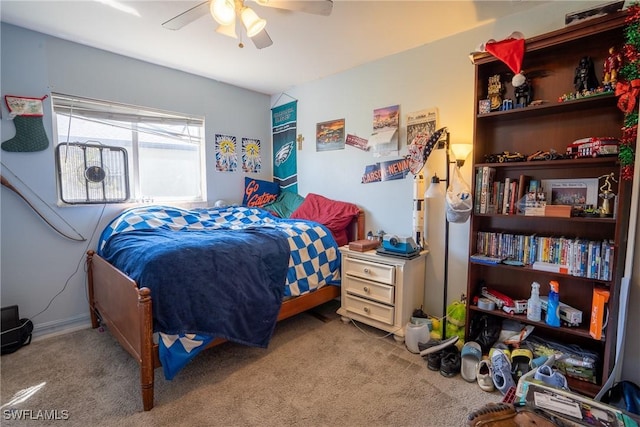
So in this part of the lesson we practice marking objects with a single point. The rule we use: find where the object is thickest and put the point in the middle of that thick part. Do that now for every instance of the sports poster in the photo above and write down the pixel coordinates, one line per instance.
(251, 160)
(284, 127)
(226, 153)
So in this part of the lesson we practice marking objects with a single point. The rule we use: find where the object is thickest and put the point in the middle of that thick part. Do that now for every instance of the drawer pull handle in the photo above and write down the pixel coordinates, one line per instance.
(366, 289)
(366, 270)
(366, 309)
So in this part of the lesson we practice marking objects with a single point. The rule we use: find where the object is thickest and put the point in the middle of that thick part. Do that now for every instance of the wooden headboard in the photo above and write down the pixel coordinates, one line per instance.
(355, 231)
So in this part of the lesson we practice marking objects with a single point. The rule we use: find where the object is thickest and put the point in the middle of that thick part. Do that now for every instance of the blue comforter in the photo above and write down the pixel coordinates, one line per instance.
(225, 283)
(217, 272)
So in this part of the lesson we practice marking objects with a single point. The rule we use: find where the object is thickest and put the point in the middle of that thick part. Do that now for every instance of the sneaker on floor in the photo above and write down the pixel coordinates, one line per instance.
(450, 362)
(520, 362)
(436, 345)
(434, 360)
(551, 377)
(500, 346)
(501, 371)
(483, 376)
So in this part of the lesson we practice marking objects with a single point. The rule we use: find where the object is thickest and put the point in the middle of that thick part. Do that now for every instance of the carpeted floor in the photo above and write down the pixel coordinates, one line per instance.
(317, 371)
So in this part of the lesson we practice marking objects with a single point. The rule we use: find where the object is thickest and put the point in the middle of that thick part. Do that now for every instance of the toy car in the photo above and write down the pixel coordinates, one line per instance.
(593, 147)
(519, 306)
(503, 157)
(503, 302)
(545, 155)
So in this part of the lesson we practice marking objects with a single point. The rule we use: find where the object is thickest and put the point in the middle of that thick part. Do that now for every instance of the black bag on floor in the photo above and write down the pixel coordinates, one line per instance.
(16, 332)
(485, 330)
(624, 395)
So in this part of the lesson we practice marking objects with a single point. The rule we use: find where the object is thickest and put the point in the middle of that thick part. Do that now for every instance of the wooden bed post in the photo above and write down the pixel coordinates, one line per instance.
(146, 356)
(360, 225)
(92, 311)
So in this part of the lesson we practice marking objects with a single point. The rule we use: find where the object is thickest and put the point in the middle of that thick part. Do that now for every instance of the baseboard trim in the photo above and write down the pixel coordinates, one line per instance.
(60, 327)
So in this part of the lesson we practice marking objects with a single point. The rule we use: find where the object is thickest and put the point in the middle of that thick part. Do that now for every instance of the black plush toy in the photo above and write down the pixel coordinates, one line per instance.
(585, 77)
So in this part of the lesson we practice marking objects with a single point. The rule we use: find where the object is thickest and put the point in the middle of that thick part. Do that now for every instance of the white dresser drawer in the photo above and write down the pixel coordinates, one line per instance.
(368, 289)
(368, 270)
(373, 310)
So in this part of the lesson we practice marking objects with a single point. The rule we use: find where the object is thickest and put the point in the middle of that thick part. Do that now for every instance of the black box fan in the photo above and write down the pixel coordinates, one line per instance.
(92, 173)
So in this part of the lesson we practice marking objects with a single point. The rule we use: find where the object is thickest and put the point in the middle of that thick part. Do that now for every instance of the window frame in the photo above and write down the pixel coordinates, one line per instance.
(102, 111)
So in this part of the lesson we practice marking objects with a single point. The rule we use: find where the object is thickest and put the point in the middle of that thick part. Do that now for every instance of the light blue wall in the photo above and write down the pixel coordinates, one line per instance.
(437, 75)
(37, 263)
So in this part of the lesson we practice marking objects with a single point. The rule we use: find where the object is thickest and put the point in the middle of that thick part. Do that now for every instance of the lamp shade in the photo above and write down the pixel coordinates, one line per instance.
(461, 151)
(252, 22)
(433, 191)
(223, 11)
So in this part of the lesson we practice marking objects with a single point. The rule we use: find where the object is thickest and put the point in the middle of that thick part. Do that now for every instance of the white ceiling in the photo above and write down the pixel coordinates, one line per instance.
(305, 47)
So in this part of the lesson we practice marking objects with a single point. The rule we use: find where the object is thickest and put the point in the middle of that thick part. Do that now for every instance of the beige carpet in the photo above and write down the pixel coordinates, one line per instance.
(314, 373)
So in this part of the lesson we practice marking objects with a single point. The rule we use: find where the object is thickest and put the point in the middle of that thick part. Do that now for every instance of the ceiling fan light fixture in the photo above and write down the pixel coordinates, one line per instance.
(252, 22)
(223, 11)
(228, 30)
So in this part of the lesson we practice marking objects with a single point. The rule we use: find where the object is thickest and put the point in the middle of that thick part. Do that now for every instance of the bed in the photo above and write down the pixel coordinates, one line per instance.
(122, 284)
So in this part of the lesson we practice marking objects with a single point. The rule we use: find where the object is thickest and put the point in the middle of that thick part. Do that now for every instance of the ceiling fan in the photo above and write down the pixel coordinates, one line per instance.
(227, 12)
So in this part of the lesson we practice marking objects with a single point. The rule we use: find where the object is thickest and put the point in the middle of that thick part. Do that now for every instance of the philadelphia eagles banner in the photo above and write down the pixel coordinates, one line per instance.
(284, 127)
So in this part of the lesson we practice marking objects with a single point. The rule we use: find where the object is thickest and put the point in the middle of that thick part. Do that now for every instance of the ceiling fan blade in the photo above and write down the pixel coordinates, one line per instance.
(262, 40)
(315, 7)
(187, 16)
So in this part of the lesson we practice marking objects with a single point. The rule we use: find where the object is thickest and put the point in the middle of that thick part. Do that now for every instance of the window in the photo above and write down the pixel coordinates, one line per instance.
(165, 151)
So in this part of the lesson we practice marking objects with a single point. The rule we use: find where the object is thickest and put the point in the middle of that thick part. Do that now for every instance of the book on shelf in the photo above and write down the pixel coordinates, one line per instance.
(513, 197)
(500, 197)
(478, 190)
(523, 188)
(551, 267)
(493, 205)
(505, 195)
(488, 175)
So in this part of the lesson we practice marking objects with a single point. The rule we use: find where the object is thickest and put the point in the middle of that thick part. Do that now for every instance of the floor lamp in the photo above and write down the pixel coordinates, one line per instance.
(460, 153)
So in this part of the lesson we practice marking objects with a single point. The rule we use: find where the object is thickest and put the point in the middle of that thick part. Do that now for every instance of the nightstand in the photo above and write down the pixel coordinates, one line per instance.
(381, 291)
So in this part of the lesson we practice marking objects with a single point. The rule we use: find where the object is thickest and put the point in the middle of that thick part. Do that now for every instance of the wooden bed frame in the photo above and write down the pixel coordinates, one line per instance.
(117, 302)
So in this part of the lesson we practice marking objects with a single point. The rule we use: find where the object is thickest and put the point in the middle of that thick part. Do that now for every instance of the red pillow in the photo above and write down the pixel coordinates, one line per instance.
(335, 215)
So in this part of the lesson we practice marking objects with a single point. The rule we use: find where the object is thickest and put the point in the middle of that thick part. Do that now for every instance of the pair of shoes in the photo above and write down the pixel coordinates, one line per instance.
(450, 362)
(436, 345)
(501, 371)
(471, 354)
(551, 377)
(483, 376)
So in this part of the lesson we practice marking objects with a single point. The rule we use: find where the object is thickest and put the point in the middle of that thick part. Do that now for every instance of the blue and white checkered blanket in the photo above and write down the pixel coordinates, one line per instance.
(314, 257)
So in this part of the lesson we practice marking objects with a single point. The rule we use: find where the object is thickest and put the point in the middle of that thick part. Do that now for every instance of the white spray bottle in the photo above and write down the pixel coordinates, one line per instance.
(534, 309)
